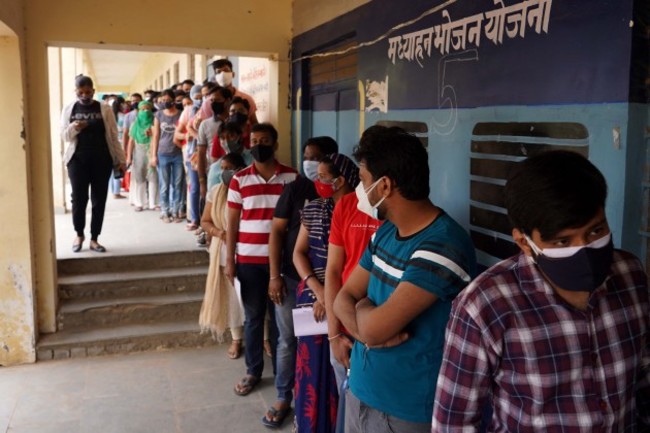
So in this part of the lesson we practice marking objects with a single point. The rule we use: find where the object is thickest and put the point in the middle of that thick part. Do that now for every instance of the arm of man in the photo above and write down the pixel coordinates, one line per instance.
(277, 286)
(378, 324)
(462, 391)
(201, 165)
(643, 387)
(125, 137)
(232, 234)
(340, 345)
(155, 135)
(354, 290)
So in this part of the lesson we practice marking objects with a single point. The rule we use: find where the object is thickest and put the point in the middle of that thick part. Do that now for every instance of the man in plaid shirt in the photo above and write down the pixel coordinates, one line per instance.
(557, 338)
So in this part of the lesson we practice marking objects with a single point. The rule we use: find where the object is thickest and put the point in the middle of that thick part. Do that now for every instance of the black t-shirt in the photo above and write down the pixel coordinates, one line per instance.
(294, 196)
(93, 135)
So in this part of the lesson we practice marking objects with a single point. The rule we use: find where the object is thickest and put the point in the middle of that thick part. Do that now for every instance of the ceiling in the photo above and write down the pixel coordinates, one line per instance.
(113, 68)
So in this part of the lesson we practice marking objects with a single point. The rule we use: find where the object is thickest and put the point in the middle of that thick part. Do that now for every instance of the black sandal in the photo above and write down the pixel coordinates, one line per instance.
(277, 417)
(246, 385)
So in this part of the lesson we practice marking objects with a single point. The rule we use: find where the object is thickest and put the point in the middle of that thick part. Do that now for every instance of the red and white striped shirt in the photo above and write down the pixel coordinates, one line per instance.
(256, 198)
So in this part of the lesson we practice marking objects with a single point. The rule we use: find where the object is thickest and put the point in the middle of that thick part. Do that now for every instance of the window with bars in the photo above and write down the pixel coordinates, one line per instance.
(495, 149)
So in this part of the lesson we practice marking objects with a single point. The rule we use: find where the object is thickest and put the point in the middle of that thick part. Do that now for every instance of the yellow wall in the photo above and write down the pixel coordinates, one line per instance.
(17, 323)
(158, 64)
(250, 27)
(308, 14)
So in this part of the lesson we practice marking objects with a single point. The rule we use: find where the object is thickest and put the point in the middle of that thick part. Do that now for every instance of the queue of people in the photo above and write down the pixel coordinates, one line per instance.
(556, 338)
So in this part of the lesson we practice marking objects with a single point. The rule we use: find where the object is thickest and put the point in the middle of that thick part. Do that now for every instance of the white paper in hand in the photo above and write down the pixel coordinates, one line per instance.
(305, 324)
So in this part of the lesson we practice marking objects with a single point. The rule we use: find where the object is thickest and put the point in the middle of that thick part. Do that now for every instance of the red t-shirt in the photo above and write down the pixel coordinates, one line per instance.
(351, 229)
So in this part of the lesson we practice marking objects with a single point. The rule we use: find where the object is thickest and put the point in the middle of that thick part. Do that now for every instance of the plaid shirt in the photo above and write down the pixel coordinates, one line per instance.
(543, 365)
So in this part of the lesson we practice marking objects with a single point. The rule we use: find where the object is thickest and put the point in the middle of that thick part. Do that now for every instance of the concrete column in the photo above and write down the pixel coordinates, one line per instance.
(56, 103)
(17, 310)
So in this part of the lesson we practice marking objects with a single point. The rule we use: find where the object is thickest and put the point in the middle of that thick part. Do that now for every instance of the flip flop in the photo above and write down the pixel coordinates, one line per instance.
(246, 385)
(277, 417)
(234, 351)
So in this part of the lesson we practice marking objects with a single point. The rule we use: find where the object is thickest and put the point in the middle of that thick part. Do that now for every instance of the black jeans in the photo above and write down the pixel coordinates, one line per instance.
(89, 168)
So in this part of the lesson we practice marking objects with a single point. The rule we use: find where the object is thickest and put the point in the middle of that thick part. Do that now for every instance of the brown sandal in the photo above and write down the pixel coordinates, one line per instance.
(234, 351)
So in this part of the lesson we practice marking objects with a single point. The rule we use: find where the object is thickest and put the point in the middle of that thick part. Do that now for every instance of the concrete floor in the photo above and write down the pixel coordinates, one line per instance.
(182, 391)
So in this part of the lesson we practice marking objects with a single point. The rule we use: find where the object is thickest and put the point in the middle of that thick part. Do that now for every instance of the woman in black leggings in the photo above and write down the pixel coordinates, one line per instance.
(93, 151)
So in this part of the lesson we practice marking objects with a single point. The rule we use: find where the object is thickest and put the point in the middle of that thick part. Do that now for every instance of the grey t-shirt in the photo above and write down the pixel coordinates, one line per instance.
(207, 131)
(128, 120)
(168, 124)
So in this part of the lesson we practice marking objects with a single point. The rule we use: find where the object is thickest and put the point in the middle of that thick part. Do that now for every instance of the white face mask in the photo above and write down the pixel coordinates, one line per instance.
(364, 204)
(224, 79)
(311, 169)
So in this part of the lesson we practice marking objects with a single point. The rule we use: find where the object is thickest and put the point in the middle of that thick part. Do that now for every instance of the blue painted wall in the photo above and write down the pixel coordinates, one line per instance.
(588, 65)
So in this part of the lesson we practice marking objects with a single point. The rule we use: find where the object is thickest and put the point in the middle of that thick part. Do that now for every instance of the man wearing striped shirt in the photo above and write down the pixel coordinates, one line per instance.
(396, 302)
(252, 197)
(556, 338)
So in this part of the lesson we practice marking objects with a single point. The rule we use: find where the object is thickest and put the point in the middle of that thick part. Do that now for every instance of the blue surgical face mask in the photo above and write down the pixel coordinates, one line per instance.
(311, 169)
(577, 269)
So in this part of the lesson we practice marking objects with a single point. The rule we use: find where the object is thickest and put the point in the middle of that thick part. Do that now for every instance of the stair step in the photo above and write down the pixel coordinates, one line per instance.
(133, 283)
(138, 262)
(122, 339)
(99, 313)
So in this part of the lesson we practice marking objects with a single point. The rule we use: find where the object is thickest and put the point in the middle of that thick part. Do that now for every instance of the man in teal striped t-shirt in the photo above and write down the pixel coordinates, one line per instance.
(397, 301)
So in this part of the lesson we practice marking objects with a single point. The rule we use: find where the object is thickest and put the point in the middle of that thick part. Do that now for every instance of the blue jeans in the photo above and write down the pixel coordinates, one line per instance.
(194, 195)
(254, 281)
(170, 180)
(286, 351)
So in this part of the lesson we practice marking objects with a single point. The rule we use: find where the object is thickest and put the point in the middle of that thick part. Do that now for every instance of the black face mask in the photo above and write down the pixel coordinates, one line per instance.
(239, 118)
(167, 105)
(134, 105)
(262, 153)
(217, 108)
(584, 270)
(179, 106)
(226, 176)
(234, 146)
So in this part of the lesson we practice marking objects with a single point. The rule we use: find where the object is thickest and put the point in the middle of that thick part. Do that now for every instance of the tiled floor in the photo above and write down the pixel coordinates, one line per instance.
(183, 391)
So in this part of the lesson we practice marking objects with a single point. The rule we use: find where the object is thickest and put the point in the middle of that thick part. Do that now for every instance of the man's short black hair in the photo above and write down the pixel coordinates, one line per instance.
(178, 93)
(217, 64)
(188, 81)
(554, 191)
(136, 95)
(235, 159)
(240, 100)
(168, 92)
(327, 145)
(83, 81)
(398, 155)
(229, 127)
(223, 91)
(266, 127)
